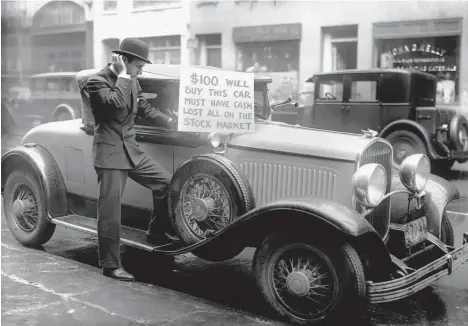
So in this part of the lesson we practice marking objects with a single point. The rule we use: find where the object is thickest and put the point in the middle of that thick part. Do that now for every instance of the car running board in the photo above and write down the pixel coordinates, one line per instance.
(128, 236)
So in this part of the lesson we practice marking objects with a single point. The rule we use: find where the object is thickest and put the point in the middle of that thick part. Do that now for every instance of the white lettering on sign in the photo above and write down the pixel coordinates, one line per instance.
(216, 101)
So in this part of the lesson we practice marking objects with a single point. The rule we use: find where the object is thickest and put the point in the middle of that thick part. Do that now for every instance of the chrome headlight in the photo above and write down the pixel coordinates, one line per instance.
(215, 139)
(415, 171)
(370, 184)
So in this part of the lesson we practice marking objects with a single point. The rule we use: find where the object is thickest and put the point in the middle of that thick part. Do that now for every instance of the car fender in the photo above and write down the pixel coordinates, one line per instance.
(312, 217)
(439, 192)
(41, 162)
(414, 127)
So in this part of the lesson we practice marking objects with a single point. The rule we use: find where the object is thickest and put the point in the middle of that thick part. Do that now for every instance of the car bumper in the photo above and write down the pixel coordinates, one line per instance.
(403, 287)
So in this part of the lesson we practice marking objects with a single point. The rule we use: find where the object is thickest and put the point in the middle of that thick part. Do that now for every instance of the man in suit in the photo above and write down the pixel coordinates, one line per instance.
(116, 98)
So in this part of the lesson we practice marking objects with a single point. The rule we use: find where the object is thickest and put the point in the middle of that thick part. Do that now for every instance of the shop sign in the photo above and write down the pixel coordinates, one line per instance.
(264, 33)
(425, 48)
(216, 101)
(421, 57)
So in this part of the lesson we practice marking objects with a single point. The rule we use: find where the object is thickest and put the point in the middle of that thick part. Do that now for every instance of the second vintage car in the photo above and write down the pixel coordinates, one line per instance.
(400, 105)
(334, 225)
(53, 96)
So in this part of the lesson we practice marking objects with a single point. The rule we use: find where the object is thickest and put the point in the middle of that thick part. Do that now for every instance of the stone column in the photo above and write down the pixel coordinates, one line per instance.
(365, 46)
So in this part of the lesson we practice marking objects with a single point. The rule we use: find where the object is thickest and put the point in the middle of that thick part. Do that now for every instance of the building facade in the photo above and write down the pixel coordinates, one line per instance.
(291, 40)
(45, 36)
(159, 23)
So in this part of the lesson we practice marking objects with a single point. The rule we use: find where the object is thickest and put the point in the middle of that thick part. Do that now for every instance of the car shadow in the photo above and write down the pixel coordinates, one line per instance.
(232, 284)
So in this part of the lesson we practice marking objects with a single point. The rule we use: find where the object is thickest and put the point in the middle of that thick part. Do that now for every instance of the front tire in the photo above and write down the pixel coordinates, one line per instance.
(25, 209)
(307, 282)
(446, 232)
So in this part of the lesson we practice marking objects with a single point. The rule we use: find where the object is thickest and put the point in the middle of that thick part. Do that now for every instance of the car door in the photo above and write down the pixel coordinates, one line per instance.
(329, 96)
(162, 146)
(362, 108)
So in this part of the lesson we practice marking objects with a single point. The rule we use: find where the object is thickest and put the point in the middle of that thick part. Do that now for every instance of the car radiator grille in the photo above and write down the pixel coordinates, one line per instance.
(379, 152)
(275, 181)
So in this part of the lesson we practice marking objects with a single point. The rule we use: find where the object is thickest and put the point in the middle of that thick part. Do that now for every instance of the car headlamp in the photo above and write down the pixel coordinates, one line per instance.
(370, 184)
(415, 171)
(215, 139)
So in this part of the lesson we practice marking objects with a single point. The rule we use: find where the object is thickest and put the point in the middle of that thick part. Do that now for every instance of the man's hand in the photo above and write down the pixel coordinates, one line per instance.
(119, 64)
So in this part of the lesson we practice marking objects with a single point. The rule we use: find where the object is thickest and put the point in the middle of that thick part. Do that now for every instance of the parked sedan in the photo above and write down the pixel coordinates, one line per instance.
(399, 104)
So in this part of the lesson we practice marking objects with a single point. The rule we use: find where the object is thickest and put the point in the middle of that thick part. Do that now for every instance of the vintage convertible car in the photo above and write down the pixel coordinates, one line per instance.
(333, 224)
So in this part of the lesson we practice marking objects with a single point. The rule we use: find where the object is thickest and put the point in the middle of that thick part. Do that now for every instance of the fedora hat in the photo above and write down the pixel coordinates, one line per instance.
(134, 47)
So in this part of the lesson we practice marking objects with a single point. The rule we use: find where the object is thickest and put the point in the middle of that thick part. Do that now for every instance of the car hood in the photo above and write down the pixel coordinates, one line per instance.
(298, 140)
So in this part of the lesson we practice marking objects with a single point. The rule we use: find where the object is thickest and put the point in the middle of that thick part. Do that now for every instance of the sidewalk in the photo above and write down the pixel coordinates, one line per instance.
(40, 288)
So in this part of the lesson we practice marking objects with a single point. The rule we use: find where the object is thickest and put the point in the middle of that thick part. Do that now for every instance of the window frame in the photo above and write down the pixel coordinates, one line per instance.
(362, 77)
(319, 81)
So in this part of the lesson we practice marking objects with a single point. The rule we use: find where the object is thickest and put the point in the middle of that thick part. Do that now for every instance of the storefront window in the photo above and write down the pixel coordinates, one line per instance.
(279, 60)
(435, 55)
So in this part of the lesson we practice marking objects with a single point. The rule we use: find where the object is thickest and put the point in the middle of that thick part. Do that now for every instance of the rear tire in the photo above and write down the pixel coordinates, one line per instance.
(26, 209)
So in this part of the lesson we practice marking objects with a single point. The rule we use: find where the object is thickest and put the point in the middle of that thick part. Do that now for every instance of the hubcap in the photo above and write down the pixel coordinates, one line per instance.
(25, 208)
(201, 208)
(298, 283)
(206, 205)
(18, 208)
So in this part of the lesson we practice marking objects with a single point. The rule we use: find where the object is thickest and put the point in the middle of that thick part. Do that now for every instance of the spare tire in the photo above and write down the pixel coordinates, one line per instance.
(458, 133)
(207, 193)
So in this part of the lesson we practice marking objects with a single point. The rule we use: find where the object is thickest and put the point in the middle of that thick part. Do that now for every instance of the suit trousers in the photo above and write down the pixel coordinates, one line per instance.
(149, 174)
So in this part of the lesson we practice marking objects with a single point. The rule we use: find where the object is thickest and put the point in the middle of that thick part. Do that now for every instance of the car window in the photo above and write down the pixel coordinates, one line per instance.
(363, 90)
(330, 89)
(259, 102)
(54, 86)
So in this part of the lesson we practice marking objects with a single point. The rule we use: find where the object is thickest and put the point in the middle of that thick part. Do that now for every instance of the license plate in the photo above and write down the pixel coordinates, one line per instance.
(415, 231)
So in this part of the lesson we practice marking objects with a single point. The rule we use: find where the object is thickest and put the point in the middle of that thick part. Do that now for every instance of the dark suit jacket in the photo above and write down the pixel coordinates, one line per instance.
(115, 103)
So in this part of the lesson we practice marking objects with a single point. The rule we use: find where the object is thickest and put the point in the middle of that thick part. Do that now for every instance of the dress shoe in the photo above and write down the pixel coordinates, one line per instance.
(118, 274)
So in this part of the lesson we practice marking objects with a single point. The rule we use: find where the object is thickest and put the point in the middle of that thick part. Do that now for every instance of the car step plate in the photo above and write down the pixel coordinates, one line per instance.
(128, 236)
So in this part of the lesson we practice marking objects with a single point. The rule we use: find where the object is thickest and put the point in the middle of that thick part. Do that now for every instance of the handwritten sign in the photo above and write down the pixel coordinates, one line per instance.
(216, 100)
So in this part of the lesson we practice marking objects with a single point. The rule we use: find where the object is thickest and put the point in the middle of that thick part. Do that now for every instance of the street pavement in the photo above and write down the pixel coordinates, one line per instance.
(61, 284)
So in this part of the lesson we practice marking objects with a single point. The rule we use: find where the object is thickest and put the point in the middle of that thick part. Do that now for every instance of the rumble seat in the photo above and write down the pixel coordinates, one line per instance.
(87, 117)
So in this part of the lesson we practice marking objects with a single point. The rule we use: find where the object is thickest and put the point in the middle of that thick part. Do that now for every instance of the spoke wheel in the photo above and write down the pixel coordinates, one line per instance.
(207, 194)
(25, 209)
(207, 206)
(303, 281)
(307, 282)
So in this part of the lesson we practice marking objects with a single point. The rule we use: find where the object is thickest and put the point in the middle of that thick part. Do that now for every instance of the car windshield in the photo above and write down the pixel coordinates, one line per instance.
(53, 85)
(165, 95)
(259, 103)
